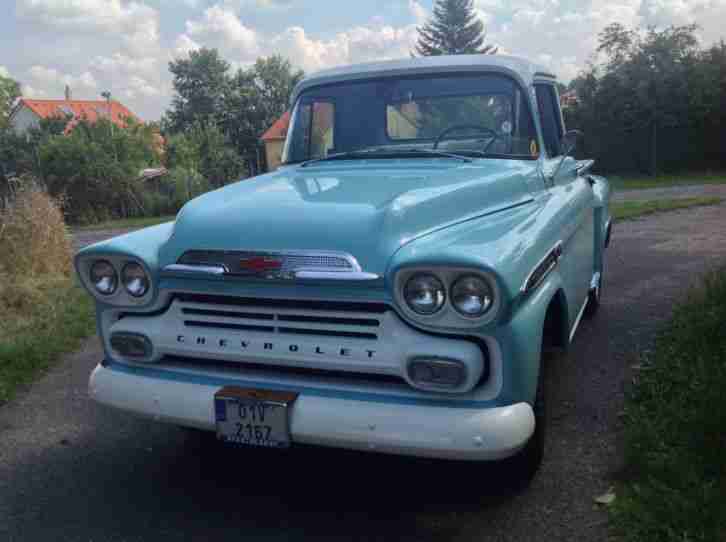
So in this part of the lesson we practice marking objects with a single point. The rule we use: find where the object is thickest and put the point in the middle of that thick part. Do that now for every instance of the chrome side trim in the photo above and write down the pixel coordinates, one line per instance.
(608, 231)
(579, 317)
(195, 269)
(595, 281)
(543, 268)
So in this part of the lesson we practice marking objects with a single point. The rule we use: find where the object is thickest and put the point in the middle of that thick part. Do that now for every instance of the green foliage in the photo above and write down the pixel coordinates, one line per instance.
(34, 311)
(641, 183)
(95, 169)
(9, 93)
(631, 209)
(201, 82)
(454, 29)
(241, 105)
(654, 104)
(257, 98)
(676, 427)
(202, 148)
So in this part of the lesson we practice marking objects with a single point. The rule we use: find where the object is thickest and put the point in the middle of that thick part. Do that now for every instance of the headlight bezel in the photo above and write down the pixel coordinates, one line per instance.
(448, 317)
(120, 297)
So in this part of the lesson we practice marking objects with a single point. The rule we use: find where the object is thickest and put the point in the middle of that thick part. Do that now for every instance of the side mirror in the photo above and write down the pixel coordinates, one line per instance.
(567, 146)
(569, 141)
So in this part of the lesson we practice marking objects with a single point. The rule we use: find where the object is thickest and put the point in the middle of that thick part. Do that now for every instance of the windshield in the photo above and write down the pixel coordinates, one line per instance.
(475, 115)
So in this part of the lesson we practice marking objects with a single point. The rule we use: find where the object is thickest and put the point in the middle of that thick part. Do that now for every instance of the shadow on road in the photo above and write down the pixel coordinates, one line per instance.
(192, 488)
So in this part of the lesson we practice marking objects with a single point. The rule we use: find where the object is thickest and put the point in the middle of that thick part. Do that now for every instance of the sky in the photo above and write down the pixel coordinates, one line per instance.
(124, 46)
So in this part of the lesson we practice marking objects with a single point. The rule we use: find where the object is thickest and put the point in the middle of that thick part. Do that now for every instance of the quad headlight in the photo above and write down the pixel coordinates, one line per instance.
(135, 279)
(118, 281)
(103, 277)
(449, 297)
(472, 296)
(424, 294)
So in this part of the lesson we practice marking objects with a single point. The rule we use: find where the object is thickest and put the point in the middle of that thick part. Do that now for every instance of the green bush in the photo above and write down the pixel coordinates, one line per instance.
(95, 169)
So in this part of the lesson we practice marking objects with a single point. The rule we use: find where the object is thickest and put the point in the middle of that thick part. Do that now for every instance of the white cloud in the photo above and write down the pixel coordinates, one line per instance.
(359, 44)
(53, 82)
(220, 26)
(113, 15)
(139, 87)
(135, 23)
(119, 64)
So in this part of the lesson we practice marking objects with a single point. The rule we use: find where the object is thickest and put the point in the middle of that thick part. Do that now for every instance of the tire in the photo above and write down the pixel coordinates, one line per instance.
(522, 467)
(593, 299)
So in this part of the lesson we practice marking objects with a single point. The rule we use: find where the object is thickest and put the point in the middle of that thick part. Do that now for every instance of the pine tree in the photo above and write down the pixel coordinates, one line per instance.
(454, 29)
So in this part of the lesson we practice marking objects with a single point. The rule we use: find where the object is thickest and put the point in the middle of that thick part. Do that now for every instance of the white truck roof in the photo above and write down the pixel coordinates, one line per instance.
(519, 68)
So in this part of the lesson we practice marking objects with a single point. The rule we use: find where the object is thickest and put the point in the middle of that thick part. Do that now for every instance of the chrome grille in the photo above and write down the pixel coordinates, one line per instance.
(287, 317)
(289, 262)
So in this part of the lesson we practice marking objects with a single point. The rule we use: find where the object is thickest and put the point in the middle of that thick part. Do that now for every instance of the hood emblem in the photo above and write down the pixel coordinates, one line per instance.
(260, 265)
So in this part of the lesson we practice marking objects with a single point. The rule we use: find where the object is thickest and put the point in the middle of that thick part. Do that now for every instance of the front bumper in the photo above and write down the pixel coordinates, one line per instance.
(375, 425)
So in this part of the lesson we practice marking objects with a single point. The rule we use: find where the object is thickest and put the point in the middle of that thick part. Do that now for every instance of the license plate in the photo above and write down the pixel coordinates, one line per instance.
(253, 417)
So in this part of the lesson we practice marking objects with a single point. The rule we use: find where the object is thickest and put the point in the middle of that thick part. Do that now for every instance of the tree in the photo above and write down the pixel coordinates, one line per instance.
(201, 83)
(257, 97)
(454, 29)
(9, 93)
(95, 169)
(654, 103)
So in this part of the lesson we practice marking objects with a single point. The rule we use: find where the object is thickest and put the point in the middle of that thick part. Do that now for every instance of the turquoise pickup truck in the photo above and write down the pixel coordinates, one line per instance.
(391, 288)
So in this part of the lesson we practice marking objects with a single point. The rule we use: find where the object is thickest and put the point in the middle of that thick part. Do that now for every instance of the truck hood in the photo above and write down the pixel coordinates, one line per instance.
(365, 208)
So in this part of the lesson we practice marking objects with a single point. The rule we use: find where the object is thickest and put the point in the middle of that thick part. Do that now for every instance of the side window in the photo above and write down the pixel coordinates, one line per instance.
(550, 119)
(314, 134)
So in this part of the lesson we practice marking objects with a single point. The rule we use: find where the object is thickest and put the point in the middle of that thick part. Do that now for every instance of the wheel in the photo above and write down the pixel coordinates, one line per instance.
(522, 467)
(593, 299)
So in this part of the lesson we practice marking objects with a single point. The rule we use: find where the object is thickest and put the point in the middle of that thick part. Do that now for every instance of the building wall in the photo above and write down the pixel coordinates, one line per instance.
(23, 120)
(273, 153)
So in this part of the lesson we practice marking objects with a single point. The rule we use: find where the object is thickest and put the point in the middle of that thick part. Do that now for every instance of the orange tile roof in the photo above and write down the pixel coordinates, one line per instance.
(279, 129)
(89, 110)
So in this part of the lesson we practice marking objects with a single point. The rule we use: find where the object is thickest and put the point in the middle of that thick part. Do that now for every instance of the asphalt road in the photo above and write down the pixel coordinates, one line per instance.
(72, 470)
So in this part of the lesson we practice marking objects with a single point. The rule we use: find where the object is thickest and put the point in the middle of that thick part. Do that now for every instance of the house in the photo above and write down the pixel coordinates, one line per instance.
(28, 112)
(273, 140)
(568, 99)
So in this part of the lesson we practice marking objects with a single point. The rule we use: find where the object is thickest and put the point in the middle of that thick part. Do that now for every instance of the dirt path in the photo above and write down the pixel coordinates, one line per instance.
(71, 470)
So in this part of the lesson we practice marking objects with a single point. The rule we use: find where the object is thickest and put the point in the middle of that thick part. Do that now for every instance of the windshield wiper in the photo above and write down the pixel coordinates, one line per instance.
(384, 152)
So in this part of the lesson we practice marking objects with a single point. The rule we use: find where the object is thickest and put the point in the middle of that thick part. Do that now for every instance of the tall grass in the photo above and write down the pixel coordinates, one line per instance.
(44, 313)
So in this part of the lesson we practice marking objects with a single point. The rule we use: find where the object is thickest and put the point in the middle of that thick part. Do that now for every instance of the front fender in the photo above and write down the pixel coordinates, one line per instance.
(142, 245)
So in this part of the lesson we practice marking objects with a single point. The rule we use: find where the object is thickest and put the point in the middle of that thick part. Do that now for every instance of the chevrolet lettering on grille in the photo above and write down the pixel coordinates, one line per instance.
(267, 346)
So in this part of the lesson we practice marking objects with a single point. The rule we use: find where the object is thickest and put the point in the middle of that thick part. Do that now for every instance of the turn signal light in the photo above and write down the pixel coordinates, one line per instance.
(132, 345)
(437, 373)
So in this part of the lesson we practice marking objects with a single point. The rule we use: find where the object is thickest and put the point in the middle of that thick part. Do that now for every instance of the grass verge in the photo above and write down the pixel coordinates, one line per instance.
(42, 319)
(664, 181)
(631, 209)
(127, 223)
(676, 428)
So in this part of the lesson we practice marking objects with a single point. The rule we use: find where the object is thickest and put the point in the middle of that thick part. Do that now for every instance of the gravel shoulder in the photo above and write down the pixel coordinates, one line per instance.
(72, 470)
